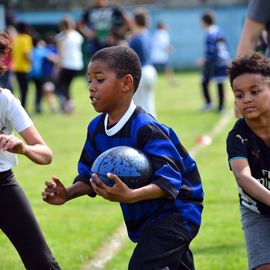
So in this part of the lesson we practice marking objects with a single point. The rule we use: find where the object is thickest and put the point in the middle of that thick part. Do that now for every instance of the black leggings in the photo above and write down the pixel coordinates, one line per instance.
(38, 84)
(63, 84)
(23, 81)
(19, 224)
(206, 94)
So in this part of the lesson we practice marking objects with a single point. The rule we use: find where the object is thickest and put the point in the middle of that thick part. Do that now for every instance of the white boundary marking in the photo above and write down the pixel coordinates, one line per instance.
(117, 240)
(108, 250)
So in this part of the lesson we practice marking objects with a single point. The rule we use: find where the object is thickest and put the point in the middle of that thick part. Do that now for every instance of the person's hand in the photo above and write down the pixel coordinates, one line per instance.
(120, 192)
(54, 192)
(12, 144)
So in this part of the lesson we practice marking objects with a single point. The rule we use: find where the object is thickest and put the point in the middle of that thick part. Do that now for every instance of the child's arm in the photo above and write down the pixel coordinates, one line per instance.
(56, 193)
(247, 182)
(120, 192)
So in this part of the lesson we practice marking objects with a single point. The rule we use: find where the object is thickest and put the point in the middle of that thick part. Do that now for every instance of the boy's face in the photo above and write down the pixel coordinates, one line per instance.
(101, 3)
(252, 95)
(106, 90)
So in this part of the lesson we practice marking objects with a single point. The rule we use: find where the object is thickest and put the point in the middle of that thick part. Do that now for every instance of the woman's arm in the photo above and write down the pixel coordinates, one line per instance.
(249, 37)
(33, 146)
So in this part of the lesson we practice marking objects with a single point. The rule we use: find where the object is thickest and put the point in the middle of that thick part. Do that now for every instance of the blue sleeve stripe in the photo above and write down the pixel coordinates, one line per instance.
(197, 193)
(163, 148)
(237, 158)
(172, 177)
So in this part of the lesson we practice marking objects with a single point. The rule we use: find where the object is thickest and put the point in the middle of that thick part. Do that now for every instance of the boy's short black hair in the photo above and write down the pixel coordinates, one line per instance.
(208, 18)
(141, 17)
(255, 63)
(23, 28)
(122, 60)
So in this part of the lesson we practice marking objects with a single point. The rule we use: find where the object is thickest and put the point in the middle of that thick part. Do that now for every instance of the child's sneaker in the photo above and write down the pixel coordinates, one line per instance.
(207, 107)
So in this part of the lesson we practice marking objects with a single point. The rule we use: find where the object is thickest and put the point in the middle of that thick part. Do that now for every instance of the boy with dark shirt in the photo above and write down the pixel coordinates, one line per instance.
(248, 147)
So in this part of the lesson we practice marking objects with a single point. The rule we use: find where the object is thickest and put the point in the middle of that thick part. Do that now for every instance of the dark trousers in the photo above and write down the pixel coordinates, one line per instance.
(64, 81)
(163, 246)
(23, 80)
(207, 97)
(38, 84)
(19, 224)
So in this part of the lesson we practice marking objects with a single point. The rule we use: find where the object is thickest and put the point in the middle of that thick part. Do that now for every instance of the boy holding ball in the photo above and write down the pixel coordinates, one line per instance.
(162, 217)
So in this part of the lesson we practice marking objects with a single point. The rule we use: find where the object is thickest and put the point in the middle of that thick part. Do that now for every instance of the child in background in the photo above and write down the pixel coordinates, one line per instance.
(69, 45)
(162, 217)
(21, 59)
(248, 147)
(140, 41)
(39, 54)
(161, 50)
(50, 71)
(215, 61)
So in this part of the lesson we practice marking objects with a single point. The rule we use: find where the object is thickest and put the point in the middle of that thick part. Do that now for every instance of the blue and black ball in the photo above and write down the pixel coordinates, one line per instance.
(131, 165)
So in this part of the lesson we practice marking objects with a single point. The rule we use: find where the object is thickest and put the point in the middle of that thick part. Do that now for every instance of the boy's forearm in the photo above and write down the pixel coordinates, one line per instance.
(252, 187)
(148, 192)
(78, 189)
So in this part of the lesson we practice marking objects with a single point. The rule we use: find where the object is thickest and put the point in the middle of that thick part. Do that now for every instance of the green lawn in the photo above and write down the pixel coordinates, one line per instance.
(76, 230)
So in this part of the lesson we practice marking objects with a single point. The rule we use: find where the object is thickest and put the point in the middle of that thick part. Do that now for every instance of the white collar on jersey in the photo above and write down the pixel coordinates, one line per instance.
(113, 130)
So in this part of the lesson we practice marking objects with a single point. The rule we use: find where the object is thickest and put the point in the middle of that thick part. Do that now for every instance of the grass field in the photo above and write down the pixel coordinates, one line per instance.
(77, 229)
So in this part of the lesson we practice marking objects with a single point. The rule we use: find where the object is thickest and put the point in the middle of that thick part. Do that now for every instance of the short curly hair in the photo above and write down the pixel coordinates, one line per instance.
(122, 60)
(255, 63)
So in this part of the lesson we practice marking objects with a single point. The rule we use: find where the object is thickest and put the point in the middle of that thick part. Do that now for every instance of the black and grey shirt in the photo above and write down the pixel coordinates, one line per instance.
(243, 143)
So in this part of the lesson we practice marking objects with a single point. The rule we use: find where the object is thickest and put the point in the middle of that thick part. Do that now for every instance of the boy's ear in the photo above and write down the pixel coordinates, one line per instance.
(128, 83)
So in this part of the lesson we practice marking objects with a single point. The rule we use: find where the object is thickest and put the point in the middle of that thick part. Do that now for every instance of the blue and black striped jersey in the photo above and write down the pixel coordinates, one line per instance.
(216, 48)
(174, 169)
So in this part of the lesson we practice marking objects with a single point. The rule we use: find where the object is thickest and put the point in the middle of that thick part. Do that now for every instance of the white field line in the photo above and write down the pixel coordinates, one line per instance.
(117, 240)
(108, 250)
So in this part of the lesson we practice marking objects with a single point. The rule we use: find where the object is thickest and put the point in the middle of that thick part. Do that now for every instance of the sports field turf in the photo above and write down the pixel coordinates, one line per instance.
(77, 229)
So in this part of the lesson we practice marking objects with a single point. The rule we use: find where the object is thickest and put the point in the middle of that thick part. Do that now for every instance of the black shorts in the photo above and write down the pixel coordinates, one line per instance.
(163, 245)
(208, 72)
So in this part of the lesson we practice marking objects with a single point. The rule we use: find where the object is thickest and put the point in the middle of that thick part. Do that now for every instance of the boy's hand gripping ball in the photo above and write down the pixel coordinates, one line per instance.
(132, 166)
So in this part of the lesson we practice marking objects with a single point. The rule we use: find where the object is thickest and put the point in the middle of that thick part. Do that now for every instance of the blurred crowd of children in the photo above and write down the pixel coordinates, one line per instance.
(50, 61)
